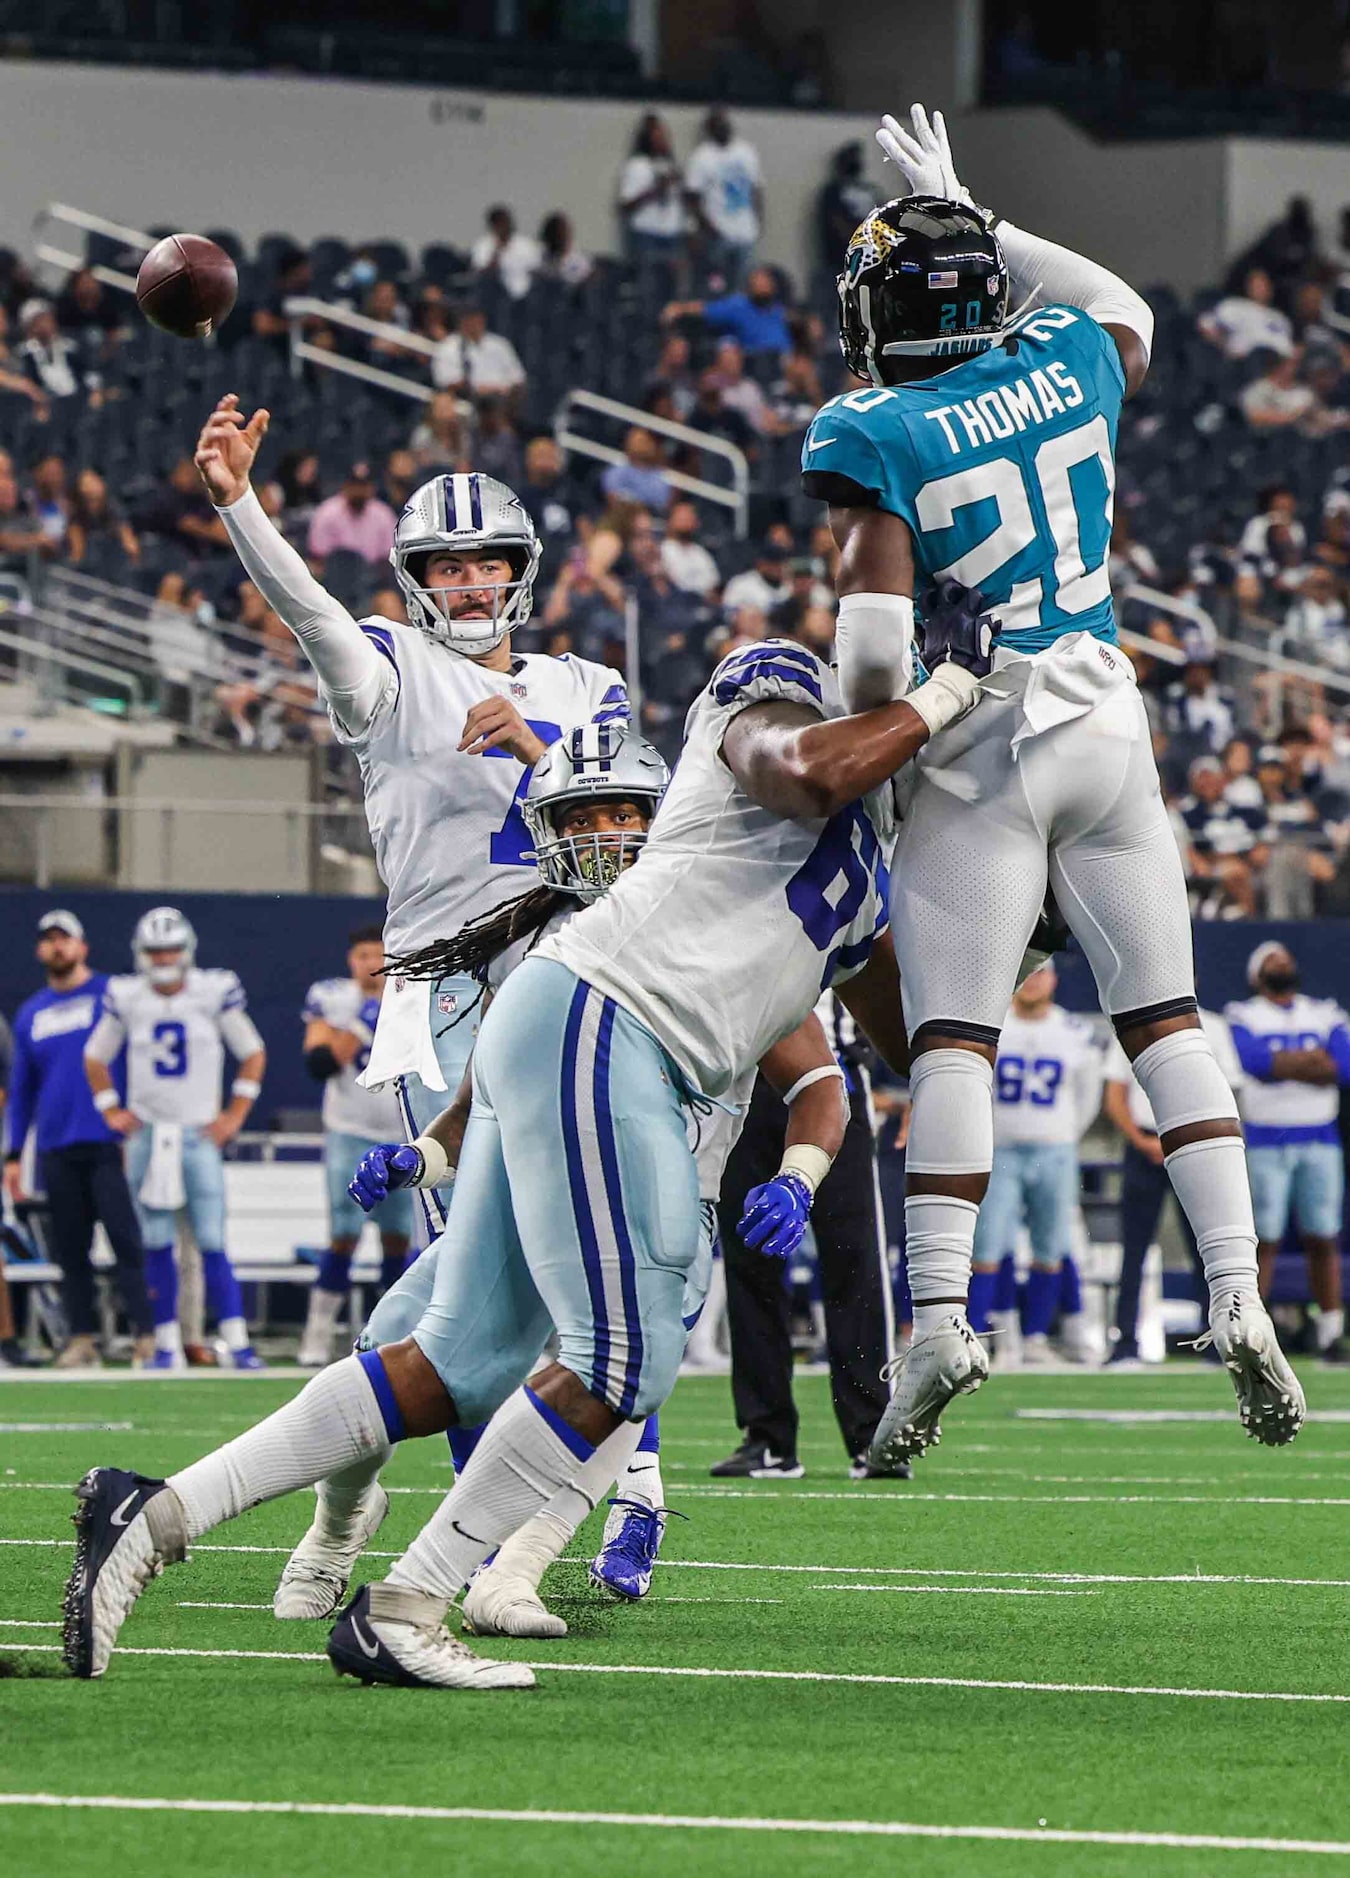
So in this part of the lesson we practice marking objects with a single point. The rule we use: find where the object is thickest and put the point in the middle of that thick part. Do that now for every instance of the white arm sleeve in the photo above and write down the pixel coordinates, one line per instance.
(872, 636)
(105, 1039)
(240, 1034)
(355, 679)
(1068, 279)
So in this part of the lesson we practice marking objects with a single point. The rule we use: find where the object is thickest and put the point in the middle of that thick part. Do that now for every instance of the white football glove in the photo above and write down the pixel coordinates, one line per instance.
(923, 156)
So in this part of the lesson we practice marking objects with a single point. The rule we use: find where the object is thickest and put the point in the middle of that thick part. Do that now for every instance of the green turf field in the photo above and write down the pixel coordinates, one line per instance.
(1006, 1643)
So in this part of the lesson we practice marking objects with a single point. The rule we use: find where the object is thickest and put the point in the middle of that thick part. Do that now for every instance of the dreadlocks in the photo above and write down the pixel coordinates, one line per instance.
(476, 945)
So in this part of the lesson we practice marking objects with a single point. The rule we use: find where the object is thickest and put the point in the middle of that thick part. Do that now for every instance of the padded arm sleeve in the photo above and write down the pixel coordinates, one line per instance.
(873, 636)
(1069, 279)
(240, 1033)
(354, 677)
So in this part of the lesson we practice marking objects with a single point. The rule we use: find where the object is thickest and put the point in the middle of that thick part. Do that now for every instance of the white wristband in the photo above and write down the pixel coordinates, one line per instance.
(945, 695)
(809, 1162)
(107, 1099)
(246, 1086)
(811, 1076)
(435, 1162)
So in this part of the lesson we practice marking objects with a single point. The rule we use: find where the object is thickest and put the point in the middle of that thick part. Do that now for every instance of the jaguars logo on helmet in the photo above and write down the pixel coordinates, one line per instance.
(923, 279)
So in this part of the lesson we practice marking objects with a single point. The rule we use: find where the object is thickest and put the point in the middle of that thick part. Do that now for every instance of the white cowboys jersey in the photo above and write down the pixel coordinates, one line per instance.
(348, 1109)
(1047, 1079)
(450, 841)
(1259, 1026)
(722, 938)
(176, 1042)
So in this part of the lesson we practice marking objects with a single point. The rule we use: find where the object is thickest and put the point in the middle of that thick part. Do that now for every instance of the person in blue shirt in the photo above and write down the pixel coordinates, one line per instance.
(977, 459)
(756, 319)
(79, 1158)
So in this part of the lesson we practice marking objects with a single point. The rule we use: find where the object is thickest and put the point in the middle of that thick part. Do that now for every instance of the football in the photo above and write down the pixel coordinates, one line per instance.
(186, 286)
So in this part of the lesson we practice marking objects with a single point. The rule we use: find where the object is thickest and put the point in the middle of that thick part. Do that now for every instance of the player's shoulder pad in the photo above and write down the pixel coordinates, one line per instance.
(1239, 1010)
(772, 671)
(841, 438)
(320, 996)
(121, 986)
(221, 986)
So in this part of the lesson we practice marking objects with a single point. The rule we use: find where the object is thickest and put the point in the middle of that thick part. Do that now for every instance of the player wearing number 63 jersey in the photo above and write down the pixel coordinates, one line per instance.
(444, 719)
(176, 1022)
(981, 453)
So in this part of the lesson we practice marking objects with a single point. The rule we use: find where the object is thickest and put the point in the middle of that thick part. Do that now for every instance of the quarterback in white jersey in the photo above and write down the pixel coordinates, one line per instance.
(444, 719)
(176, 1022)
(340, 1016)
(576, 1202)
(1047, 1090)
(1295, 1052)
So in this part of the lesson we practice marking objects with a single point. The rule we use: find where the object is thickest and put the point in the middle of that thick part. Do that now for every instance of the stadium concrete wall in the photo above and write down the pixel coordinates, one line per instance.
(314, 157)
(280, 943)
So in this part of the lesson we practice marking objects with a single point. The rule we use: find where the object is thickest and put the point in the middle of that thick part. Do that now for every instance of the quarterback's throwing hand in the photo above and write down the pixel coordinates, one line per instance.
(382, 1169)
(955, 626)
(226, 450)
(775, 1216)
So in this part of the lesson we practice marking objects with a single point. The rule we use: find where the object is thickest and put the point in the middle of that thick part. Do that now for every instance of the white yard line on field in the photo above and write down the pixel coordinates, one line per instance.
(686, 1822)
(684, 1671)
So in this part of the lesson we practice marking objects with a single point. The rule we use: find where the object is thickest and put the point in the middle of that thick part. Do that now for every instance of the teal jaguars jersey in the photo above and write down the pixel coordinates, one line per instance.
(1003, 469)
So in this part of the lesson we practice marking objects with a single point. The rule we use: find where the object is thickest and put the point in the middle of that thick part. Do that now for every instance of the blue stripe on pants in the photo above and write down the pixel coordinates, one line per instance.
(581, 1204)
(609, 1161)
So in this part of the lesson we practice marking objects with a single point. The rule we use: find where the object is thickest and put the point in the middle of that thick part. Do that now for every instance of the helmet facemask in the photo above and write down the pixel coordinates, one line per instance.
(587, 863)
(430, 607)
(164, 929)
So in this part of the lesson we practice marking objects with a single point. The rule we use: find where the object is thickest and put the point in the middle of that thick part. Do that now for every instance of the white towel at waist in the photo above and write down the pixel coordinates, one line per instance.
(404, 1045)
(162, 1183)
(1076, 675)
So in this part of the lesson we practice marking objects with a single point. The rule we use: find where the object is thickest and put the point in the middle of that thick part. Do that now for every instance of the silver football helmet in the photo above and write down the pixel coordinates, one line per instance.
(594, 763)
(465, 514)
(163, 929)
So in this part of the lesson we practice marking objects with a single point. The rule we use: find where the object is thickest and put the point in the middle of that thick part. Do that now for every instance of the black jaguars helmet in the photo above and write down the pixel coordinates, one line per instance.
(923, 278)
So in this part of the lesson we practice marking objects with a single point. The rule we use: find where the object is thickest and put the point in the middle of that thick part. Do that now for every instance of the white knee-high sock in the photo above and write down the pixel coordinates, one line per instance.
(335, 1420)
(527, 1454)
(528, 1553)
(1210, 1181)
(952, 1133)
(341, 1496)
(939, 1242)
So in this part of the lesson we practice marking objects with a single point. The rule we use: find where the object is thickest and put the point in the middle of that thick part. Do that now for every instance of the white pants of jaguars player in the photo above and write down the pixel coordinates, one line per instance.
(455, 1008)
(984, 827)
(575, 1210)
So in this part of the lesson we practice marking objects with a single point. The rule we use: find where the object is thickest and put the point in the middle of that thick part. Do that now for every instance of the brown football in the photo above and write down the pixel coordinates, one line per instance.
(186, 286)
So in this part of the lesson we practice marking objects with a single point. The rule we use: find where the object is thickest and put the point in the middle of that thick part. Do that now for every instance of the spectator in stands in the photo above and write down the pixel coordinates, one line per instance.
(651, 196)
(20, 536)
(182, 511)
(299, 480)
(763, 586)
(795, 395)
(724, 189)
(711, 414)
(477, 363)
(1241, 789)
(49, 500)
(1301, 853)
(816, 630)
(1130, 560)
(1315, 625)
(1280, 400)
(587, 606)
(739, 392)
(559, 256)
(440, 440)
(502, 253)
(1197, 712)
(1223, 855)
(95, 521)
(548, 497)
(354, 521)
(15, 380)
(85, 309)
(612, 538)
(383, 303)
(401, 477)
(1274, 534)
(845, 199)
(1333, 546)
(640, 477)
(806, 594)
(1249, 321)
(387, 603)
(295, 278)
(1286, 252)
(50, 359)
(674, 373)
(497, 449)
(685, 561)
(756, 319)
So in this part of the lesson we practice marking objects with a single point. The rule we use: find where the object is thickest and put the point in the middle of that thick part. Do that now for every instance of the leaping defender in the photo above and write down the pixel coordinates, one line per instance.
(982, 452)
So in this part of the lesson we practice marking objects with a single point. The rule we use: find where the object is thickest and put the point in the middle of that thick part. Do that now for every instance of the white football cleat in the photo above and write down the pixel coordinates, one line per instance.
(500, 1603)
(1270, 1396)
(1036, 1351)
(949, 1361)
(314, 1578)
(391, 1634)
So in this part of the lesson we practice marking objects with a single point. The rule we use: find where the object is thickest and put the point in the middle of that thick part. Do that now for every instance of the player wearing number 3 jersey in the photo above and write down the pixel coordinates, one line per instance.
(444, 719)
(981, 454)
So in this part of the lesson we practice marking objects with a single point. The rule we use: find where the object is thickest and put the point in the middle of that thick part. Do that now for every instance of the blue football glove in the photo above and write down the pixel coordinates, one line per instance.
(775, 1216)
(955, 624)
(382, 1169)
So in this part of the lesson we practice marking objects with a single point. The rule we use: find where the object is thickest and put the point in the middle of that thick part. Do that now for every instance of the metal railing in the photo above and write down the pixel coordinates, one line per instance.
(736, 498)
(302, 307)
(45, 251)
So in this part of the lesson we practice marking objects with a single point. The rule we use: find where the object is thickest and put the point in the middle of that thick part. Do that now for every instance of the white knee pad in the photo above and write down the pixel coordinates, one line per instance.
(953, 1127)
(1183, 1082)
